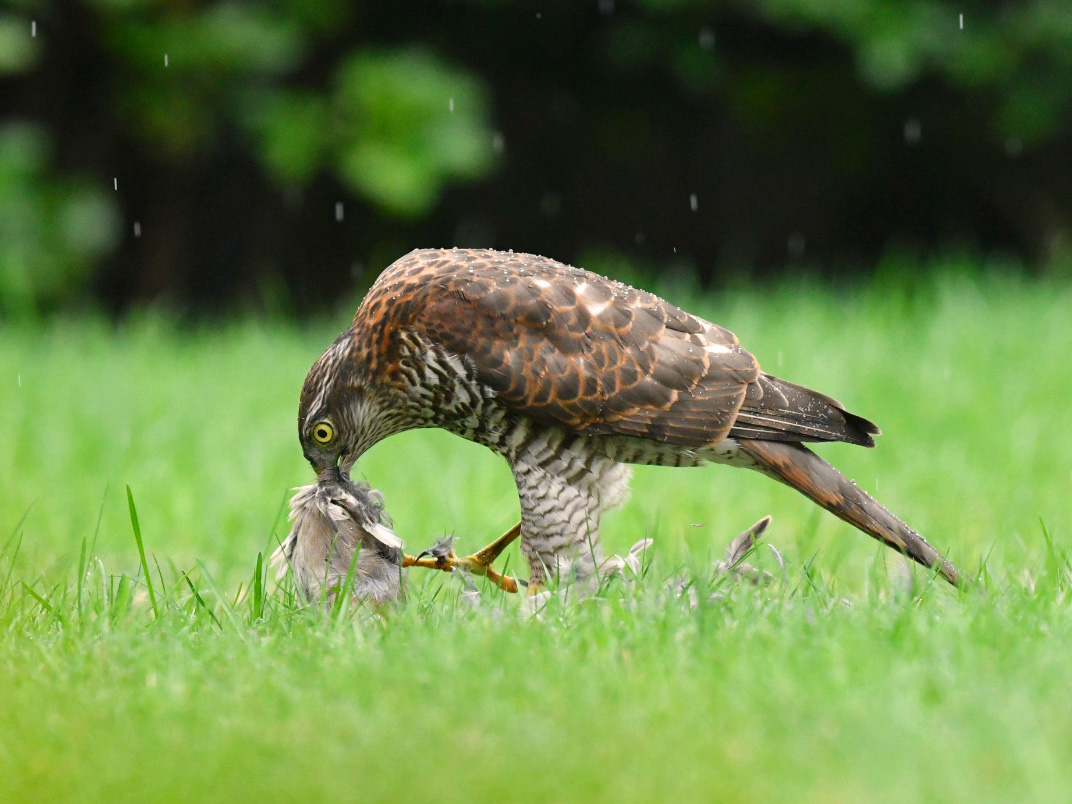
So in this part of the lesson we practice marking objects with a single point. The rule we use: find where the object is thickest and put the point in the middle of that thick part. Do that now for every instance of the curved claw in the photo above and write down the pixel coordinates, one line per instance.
(436, 562)
(479, 563)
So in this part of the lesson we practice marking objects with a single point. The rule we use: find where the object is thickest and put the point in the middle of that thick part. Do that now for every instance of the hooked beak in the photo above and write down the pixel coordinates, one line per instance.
(333, 469)
(328, 474)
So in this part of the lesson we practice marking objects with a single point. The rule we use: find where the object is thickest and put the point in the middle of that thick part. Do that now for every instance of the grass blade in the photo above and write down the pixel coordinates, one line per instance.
(258, 586)
(228, 609)
(141, 552)
(80, 580)
(273, 539)
(44, 603)
(11, 561)
(100, 517)
(201, 601)
(346, 593)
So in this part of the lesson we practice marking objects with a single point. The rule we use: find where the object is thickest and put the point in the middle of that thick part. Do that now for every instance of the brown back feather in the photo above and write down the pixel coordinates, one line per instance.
(574, 349)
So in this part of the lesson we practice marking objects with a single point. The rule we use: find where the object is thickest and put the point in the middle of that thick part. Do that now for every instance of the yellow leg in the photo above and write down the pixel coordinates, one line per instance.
(479, 563)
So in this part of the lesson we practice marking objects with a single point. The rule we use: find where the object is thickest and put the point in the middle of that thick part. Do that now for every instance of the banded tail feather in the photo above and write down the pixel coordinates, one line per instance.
(798, 467)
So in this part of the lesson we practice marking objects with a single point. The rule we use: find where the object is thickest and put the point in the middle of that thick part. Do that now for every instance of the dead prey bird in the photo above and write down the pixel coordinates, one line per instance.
(572, 377)
(340, 530)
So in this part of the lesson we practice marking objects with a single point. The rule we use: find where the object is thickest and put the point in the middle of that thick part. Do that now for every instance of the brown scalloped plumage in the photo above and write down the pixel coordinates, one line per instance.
(564, 346)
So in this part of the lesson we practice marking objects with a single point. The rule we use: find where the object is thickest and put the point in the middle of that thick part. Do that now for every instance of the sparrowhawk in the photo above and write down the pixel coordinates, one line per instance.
(571, 377)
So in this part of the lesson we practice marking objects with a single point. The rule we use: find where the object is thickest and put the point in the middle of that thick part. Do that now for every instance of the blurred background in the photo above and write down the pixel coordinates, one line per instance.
(216, 156)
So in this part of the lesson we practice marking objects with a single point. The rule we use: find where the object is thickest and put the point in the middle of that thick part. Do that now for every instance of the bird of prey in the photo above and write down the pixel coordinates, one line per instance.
(571, 377)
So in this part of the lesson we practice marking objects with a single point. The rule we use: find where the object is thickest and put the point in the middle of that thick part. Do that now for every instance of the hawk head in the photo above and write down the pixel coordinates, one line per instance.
(337, 415)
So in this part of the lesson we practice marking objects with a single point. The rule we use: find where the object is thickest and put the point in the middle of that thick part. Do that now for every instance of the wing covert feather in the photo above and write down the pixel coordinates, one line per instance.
(568, 347)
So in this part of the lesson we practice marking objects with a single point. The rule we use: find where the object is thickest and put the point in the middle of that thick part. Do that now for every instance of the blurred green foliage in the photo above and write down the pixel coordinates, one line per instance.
(396, 112)
(18, 50)
(396, 127)
(1018, 53)
(52, 228)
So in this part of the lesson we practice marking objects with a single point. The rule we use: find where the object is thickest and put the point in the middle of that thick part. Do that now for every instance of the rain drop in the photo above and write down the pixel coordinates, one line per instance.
(1014, 146)
(33, 27)
(913, 131)
(694, 202)
(707, 38)
(137, 228)
(640, 238)
(165, 60)
(550, 204)
(451, 104)
(338, 211)
(962, 22)
(115, 183)
(20, 381)
(796, 245)
(498, 142)
(606, 7)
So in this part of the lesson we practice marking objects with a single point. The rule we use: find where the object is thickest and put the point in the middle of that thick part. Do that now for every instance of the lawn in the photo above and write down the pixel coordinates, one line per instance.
(849, 679)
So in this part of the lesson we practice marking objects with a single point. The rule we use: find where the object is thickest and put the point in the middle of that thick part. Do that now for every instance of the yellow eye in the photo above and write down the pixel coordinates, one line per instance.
(323, 433)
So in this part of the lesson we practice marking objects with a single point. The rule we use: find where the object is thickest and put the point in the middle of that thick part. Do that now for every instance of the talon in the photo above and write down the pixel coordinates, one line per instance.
(443, 548)
(441, 553)
(479, 563)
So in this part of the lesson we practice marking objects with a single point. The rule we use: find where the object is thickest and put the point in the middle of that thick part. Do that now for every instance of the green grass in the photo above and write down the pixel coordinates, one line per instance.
(841, 683)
